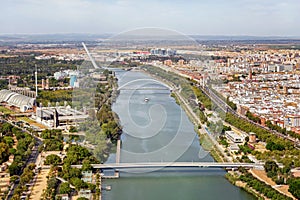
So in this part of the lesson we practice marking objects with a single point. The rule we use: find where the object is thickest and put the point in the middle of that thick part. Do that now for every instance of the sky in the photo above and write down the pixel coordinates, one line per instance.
(200, 17)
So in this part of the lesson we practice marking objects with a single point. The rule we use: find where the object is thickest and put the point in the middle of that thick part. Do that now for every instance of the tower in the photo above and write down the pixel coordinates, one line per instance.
(36, 86)
(250, 73)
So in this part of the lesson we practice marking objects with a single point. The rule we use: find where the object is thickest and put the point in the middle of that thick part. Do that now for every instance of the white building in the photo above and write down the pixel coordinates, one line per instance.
(233, 137)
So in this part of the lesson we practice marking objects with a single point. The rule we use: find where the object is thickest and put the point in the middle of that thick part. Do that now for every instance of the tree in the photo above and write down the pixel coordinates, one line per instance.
(91, 186)
(31, 166)
(25, 178)
(8, 140)
(106, 72)
(252, 117)
(226, 128)
(65, 188)
(16, 197)
(272, 146)
(231, 104)
(76, 154)
(82, 198)
(68, 172)
(247, 139)
(78, 183)
(271, 168)
(294, 187)
(52, 160)
(73, 129)
(14, 178)
(6, 128)
(52, 182)
(4, 152)
(86, 166)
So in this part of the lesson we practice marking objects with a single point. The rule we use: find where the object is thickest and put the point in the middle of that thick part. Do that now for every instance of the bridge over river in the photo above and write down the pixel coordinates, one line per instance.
(118, 166)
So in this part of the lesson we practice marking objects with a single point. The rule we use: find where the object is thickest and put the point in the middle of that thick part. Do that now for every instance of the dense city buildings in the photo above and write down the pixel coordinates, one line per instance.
(233, 95)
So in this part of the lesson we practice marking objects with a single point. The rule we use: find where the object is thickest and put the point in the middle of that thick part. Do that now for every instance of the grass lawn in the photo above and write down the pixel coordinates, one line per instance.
(31, 122)
(5, 110)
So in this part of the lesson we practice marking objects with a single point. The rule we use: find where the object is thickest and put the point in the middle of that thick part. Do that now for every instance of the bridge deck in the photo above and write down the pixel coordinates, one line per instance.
(145, 88)
(171, 164)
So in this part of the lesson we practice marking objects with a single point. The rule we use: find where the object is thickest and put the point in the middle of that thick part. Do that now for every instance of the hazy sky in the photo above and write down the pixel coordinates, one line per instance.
(204, 17)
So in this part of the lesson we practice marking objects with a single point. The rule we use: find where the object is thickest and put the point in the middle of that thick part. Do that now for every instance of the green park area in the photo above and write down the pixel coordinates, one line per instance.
(5, 110)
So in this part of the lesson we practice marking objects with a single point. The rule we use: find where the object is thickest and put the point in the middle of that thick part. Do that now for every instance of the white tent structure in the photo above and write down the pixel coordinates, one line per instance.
(18, 100)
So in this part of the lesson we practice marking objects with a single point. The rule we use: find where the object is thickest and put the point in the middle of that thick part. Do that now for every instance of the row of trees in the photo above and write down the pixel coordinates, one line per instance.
(24, 65)
(24, 179)
(185, 84)
(52, 184)
(23, 150)
(202, 98)
(261, 133)
(108, 122)
(45, 97)
(253, 118)
(231, 104)
(281, 130)
(272, 126)
(103, 130)
(262, 187)
(281, 150)
(6, 142)
(283, 176)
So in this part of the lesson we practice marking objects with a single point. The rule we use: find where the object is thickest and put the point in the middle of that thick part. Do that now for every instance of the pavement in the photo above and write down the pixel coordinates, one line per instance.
(40, 184)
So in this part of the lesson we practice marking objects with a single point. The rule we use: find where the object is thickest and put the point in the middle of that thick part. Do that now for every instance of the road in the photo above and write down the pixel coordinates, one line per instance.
(32, 158)
(218, 101)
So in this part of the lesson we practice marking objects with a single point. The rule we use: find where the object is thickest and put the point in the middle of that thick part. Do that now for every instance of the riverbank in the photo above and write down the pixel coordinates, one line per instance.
(204, 140)
(231, 177)
(217, 151)
(180, 145)
(103, 129)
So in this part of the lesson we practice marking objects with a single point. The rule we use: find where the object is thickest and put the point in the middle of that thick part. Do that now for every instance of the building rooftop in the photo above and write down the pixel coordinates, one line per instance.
(16, 99)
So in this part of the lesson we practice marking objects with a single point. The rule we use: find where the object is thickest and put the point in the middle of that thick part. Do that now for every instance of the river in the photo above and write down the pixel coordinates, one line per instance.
(156, 129)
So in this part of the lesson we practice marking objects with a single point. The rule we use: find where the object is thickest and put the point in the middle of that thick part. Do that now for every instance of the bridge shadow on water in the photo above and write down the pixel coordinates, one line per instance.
(169, 172)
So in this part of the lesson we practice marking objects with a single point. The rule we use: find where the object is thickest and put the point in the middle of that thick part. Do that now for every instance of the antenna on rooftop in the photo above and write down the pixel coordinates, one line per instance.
(36, 87)
(90, 56)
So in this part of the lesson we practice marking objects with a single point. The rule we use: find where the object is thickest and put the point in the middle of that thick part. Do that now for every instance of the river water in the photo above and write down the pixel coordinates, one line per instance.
(156, 129)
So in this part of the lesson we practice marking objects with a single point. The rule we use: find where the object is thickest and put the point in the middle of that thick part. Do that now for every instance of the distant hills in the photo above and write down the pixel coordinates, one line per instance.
(76, 37)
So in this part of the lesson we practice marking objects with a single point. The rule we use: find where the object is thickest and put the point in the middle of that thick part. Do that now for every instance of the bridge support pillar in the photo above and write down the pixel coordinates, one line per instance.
(117, 174)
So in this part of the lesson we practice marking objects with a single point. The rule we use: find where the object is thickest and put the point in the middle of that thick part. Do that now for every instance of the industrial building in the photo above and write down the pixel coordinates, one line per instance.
(59, 117)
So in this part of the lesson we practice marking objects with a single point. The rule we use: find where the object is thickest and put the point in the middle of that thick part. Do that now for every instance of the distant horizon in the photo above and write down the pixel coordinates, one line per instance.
(190, 35)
